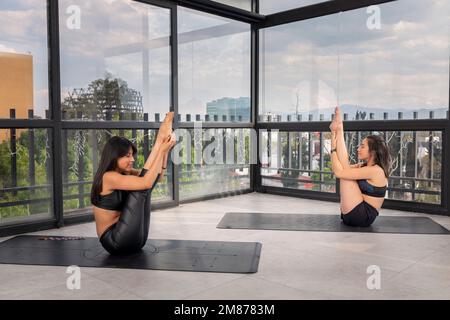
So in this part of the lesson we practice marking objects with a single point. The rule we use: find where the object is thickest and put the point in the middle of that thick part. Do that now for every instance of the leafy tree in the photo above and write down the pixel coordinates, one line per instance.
(101, 96)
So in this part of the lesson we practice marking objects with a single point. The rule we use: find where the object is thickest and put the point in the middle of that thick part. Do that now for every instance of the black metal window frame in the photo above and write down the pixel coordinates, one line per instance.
(256, 22)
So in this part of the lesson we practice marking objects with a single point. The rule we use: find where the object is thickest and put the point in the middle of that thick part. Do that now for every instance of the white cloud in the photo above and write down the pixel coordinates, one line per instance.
(4, 48)
(406, 26)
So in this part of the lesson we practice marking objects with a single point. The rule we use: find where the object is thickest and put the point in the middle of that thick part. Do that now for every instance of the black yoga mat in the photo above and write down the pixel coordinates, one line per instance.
(182, 255)
(321, 222)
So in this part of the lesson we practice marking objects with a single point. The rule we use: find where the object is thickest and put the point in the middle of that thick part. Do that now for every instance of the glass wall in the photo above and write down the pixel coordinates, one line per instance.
(23, 60)
(384, 62)
(26, 187)
(297, 160)
(26, 162)
(82, 151)
(115, 60)
(271, 6)
(213, 161)
(389, 61)
(301, 160)
(213, 68)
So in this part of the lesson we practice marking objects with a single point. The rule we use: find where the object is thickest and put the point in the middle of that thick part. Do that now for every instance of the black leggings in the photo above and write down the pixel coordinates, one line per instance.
(130, 233)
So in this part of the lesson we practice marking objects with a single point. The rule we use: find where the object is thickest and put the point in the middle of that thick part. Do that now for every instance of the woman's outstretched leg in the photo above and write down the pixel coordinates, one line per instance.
(350, 193)
(341, 148)
(147, 213)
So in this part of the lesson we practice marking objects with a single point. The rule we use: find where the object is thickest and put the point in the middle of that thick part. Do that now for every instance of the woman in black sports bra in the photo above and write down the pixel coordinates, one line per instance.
(121, 195)
(362, 186)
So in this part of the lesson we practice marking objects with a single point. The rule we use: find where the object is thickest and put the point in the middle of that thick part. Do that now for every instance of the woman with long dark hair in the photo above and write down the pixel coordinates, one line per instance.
(121, 195)
(363, 185)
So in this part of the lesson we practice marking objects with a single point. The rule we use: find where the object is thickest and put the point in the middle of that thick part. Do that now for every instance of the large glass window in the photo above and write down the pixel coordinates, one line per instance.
(213, 67)
(298, 70)
(115, 60)
(297, 160)
(301, 160)
(389, 61)
(23, 59)
(82, 151)
(26, 186)
(213, 161)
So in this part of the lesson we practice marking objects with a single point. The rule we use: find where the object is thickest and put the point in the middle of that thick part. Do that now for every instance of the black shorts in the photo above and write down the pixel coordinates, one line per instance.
(363, 215)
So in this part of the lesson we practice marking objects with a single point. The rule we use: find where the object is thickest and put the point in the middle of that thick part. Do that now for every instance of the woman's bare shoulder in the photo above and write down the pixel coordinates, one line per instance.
(112, 173)
(105, 180)
(380, 173)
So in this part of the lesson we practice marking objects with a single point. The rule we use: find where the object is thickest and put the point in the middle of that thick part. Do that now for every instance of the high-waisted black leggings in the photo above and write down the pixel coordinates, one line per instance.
(130, 233)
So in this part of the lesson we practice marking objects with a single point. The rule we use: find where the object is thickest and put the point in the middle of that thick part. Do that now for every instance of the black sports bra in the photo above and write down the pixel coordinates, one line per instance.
(371, 190)
(112, 201)
(116, 199)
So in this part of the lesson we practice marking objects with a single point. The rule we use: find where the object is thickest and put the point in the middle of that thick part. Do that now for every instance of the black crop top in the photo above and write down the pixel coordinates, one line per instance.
(116, 199)
(113, 201)
(371, 190)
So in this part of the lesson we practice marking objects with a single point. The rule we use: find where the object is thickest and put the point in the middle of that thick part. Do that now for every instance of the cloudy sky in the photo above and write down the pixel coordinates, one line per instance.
(24, 30)
(404, 64)
(110, 39)
(271, 6)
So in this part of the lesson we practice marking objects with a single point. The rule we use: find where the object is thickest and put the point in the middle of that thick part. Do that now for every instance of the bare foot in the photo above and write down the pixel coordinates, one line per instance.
(334, 126)
(165, 129)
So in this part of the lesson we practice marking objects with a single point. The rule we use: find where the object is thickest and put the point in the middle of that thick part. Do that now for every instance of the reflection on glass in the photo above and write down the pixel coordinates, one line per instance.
(82, 151)
(390, 66)
(115, 60)
(26, 186)
(213, 161)
(23, 59)
(214, 68)
(301, 160)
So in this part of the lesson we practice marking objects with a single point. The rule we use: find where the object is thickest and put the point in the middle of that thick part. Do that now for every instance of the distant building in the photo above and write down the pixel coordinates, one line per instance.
(16, 87)
(239, 108)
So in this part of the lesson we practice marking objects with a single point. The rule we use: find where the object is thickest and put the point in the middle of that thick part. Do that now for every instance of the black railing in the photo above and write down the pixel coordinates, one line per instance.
(297, 150)
(13, 188)
(359, 115)
(82, 195)
(391, 185)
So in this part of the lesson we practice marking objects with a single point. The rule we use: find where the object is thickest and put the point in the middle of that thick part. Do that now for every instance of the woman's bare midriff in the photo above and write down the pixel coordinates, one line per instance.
(104, 219)
(373, 201)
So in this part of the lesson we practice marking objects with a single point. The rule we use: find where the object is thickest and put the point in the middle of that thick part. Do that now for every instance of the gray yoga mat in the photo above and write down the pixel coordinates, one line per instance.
(321, 222)
(182, 255)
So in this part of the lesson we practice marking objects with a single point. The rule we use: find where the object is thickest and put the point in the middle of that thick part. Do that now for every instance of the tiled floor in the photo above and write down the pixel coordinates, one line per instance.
(293, 265)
